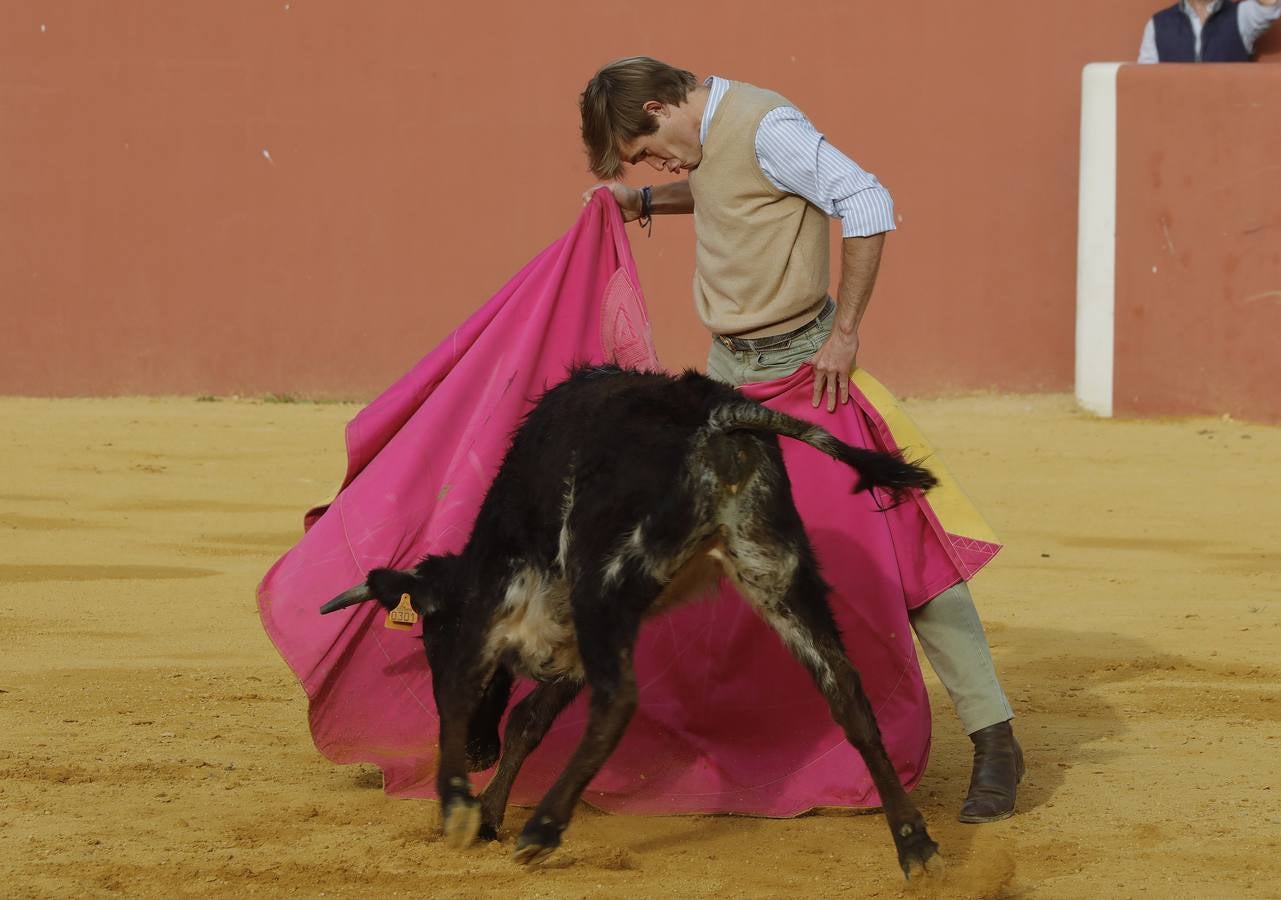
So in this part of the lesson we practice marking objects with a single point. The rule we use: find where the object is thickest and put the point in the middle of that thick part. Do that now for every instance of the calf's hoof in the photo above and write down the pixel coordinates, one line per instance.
(483, 753)
(462, 821)
(487, 832)
(918, 853)
(539, 838)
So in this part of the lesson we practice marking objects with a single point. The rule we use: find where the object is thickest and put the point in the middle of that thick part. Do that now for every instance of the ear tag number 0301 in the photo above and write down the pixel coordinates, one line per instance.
(403, 617)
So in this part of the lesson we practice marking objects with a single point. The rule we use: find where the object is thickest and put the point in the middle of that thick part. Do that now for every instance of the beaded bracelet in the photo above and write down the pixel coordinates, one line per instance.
(646, 218)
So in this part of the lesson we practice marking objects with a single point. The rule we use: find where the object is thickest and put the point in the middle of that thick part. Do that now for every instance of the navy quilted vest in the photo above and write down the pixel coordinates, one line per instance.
(1220, 36)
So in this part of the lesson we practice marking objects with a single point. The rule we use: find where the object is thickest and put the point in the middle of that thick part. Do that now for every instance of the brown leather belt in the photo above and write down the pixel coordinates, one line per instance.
(776, 341)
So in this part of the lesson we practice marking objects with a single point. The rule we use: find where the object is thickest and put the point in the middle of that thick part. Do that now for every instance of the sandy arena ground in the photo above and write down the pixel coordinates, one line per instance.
(152, 743)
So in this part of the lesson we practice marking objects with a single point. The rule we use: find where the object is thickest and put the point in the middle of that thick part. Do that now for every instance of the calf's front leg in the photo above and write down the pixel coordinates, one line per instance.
(457, 698)
(606, 625)
(612, 705)
(526, 728)
(483, 746)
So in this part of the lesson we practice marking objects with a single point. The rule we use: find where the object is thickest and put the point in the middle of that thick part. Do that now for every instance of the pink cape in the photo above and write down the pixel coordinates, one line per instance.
(728, 721)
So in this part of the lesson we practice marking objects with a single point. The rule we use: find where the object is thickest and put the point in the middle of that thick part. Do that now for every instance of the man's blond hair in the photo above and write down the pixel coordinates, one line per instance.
(612, 106)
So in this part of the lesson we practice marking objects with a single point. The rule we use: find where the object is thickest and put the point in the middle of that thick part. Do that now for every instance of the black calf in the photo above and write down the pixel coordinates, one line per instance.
(624, 493)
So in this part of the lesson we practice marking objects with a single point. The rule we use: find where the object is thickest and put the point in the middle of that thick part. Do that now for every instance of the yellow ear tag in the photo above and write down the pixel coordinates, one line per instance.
(403, 617)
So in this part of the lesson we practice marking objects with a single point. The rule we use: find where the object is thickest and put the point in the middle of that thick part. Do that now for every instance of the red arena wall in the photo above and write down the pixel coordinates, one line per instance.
(1198, 241)
(306, 195)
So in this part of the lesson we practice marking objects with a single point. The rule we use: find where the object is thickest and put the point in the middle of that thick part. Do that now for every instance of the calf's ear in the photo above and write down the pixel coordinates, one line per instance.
(389, 585)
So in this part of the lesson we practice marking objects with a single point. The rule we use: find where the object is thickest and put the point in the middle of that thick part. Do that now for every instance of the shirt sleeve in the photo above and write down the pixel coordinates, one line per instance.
(1253, 18)
(797, 159)
(1147, 47)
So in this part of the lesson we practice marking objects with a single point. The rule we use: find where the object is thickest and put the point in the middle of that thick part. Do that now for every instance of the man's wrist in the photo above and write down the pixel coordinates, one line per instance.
(646, 218)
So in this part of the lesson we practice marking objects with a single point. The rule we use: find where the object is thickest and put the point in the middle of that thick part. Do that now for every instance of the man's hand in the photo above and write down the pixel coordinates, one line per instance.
(836, 359)
(629, 199)
(833, 363)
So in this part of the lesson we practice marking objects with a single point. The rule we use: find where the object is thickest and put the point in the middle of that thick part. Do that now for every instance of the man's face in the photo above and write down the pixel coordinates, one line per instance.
(673, 148)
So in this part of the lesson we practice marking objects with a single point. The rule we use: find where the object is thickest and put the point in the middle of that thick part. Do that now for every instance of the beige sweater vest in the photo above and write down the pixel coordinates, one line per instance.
(761, 263)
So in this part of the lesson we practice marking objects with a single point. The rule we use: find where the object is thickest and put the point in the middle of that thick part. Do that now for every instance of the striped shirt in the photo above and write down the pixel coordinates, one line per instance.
(797, 159)
(1253, 19)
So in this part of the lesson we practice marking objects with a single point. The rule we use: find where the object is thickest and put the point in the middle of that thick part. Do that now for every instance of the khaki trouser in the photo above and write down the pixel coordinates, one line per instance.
(948, 627)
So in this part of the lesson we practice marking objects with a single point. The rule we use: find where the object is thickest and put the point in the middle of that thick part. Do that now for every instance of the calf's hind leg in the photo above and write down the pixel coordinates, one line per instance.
(796, 608)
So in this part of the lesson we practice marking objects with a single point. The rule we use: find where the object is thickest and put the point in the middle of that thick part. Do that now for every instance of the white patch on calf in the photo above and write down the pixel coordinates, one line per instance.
(763, 570)
(631, 547)
(533, 621)
(566, 507)
(613, 570)
(798, 641)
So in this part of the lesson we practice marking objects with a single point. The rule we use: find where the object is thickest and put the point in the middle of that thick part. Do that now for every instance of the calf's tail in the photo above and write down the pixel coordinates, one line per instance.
(875, 469)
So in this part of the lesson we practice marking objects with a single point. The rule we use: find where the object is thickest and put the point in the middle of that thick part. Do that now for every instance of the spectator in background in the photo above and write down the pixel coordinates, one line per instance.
(1207, 31)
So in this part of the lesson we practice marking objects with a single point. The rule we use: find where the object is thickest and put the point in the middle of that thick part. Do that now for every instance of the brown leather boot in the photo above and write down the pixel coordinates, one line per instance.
(998, 769)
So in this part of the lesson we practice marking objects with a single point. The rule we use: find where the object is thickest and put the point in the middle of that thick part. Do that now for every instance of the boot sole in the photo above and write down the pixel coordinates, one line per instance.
(983, 820)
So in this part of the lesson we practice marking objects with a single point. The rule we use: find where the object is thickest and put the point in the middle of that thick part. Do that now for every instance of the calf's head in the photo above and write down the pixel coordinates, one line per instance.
(434, 590)
(431, 592)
